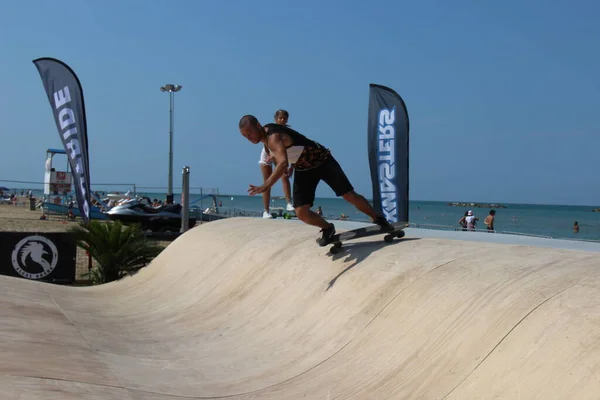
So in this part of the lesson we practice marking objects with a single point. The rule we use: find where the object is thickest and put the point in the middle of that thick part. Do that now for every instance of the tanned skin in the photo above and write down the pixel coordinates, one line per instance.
(277, 143)
(267, 170)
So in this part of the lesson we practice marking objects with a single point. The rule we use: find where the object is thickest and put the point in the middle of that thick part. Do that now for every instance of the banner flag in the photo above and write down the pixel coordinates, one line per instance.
(388, 128)
(66, 100)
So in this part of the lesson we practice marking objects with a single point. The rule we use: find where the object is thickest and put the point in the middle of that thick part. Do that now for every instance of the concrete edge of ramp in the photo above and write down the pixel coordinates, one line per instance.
(254, 309)
(484, 237)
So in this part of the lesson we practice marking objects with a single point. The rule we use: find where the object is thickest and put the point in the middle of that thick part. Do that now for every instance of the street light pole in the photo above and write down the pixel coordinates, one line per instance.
(171, 89)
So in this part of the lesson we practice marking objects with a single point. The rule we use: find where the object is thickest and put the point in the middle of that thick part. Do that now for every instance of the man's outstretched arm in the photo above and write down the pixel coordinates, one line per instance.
(280, 154)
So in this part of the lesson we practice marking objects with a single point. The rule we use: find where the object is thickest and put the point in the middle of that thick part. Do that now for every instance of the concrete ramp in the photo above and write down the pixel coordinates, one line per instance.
(254, 309)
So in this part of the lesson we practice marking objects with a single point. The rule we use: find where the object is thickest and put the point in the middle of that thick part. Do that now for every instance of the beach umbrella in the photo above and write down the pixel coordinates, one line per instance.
(4, 188)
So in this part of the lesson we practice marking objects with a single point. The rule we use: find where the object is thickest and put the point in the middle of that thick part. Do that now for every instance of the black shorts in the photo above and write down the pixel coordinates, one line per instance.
(305, 182)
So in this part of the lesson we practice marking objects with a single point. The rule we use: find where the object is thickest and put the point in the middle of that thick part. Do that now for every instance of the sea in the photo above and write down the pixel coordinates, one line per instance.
(553, 221)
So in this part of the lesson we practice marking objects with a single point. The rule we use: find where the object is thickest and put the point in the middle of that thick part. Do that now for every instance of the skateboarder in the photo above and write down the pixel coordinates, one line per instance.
(312, 163)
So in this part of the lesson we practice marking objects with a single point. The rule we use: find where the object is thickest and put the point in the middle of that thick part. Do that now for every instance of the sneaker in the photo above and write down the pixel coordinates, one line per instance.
(327, 235)
(267, 215)
(384, 224)
(289, 207)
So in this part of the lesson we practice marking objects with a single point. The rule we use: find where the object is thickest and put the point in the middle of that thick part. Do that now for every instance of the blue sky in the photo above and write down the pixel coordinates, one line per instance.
(502, 96)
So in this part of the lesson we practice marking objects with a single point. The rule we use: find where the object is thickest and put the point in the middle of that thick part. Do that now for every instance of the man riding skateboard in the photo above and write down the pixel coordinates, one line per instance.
(312, 163)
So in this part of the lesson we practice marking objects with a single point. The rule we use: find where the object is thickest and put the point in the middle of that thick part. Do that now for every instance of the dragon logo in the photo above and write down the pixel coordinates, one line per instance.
(34, 257)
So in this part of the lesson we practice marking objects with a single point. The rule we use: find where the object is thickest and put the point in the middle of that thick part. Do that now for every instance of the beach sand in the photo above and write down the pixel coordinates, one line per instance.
(20, 218)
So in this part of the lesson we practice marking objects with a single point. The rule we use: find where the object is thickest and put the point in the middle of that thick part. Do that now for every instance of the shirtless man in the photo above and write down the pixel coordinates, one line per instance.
(312, 163)
(266, 167)
(489, 221)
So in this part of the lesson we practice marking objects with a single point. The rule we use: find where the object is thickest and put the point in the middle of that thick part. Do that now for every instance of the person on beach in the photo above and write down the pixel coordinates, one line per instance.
(312, 163)
(471, 220)
(489, 220)
(266, 167)
(463, 221)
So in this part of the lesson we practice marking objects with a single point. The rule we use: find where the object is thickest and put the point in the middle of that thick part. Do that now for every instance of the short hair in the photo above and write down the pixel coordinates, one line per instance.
(283, 113)
(248, 120)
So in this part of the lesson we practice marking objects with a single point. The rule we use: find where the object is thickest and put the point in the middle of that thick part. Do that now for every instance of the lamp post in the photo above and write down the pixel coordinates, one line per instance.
(171, 89)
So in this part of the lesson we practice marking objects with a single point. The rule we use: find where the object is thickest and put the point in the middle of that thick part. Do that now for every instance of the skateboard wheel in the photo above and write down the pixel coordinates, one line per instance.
(334, 249)
(388, 238)
(338, 245)
(401, 234)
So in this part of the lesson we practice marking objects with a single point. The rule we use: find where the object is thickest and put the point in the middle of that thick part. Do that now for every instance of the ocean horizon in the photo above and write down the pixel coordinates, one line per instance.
(548, 220)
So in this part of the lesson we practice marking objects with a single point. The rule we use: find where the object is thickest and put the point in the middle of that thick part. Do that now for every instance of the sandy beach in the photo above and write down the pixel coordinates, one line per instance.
(20, 218)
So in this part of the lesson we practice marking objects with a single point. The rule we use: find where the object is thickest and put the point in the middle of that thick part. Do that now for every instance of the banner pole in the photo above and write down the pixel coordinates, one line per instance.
(185, 199)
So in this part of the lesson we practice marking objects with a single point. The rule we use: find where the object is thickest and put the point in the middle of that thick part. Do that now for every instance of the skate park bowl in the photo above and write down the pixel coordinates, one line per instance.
(246, 308)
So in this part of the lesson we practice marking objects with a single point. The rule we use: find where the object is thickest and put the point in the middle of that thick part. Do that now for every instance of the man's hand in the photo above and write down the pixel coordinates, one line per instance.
(290, 171)
(279, 153)
(252, 190)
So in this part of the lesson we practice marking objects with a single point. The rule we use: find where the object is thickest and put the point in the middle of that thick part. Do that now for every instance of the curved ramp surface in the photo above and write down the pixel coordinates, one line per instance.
(254, 309)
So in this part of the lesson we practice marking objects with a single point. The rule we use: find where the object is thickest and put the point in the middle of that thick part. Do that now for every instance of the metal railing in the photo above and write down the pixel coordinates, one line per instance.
(225, 212)
(460, 228)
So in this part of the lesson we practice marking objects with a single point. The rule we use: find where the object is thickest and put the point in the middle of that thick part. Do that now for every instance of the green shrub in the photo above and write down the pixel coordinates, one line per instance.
(118, 249)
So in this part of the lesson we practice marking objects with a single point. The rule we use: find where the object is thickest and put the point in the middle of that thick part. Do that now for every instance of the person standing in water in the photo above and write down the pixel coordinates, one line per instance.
(266, 167)
(489, 221)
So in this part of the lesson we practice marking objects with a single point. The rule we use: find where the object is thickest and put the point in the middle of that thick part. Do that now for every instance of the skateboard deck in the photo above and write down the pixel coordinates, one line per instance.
(366, 231)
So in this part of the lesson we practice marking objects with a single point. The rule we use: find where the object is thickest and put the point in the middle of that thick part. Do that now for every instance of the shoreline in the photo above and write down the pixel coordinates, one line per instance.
(481, 236)
(243, 194)
(21, 219)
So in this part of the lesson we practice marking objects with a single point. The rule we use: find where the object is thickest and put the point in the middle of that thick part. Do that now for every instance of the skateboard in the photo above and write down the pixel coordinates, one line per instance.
(339, 238)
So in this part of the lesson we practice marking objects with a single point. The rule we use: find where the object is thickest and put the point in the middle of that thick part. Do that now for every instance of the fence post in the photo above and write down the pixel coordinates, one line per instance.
(185, 199)
(201, 206)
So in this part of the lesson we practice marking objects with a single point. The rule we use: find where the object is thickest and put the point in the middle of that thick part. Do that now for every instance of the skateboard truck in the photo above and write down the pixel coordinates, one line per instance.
(372, 230)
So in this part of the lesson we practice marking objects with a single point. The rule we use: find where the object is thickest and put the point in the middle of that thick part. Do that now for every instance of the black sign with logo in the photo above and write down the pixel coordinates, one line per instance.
(48, 257)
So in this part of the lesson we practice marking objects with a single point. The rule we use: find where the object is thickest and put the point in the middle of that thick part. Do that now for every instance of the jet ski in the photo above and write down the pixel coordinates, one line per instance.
(166, 218)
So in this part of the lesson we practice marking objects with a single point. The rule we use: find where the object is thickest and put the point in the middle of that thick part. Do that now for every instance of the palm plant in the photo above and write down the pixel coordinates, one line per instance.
(118, 249)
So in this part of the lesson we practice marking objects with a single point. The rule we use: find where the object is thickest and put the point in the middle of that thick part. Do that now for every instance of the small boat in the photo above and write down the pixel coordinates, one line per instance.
(119, 196)
(210, 213)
